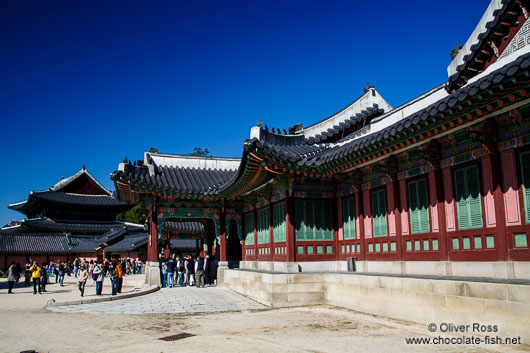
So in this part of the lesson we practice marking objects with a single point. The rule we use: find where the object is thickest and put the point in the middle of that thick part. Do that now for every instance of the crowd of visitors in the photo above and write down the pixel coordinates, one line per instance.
(41, 275)
(184, 271)
(175, 271)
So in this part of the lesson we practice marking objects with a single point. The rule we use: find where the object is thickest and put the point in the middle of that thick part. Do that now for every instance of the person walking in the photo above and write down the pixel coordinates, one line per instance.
(114, 276)
(99, 275)
(62, 270)
(199, 272)
(77, 263)
(139, 267)
(43, 277)
(56, 270)
(11, 277)
(82, 277)
(170, 271)
(35, 276)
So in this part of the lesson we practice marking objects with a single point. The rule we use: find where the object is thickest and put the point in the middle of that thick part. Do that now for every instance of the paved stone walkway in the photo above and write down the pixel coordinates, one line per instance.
(180, 300)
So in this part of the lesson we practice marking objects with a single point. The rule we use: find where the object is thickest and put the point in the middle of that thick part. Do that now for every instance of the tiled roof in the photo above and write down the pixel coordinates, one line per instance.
(183, 245)
(129, 243)
(111, 235)
(496, 26)
(183, 227)
(337, 130)
(63, 183)
(50, 225)
(79, 199)
(16, 243)
(331, 152)
(179, 180)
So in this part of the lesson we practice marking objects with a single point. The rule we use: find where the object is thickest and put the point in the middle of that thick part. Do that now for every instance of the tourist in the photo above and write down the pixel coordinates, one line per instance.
(62, 270)
(207, 269)
(119, 267)
(82, 277)
(91, 268)
(189, 270)
(27, 274)
(199, 272)
(180, 270)
(35, 275)
(114, 276)
(164, 273)
(77, 263)
(170, 271)
(139, 267)
(43, 277)
(56, 271)
(98, 275)
(69, 268)
(11, 277)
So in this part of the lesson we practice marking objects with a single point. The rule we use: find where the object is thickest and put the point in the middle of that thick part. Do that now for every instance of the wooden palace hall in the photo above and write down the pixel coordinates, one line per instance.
(439, 185)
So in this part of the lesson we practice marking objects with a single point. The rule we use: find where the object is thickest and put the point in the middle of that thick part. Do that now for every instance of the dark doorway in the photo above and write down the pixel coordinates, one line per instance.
(233, 246)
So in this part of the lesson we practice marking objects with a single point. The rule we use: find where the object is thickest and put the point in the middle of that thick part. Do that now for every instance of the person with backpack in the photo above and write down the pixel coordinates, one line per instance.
(82, 277)
(98, 276)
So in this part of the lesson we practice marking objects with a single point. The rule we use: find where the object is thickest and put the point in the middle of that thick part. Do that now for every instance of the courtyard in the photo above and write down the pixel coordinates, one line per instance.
(217, 320)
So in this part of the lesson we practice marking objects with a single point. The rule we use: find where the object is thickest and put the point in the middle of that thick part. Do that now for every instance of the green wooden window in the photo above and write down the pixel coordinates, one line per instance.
(525, 170)
(379, 213)
(348, 216)
(280, 230)
(419, 207)
(313, 220)
(468, 204)
(249, 229)
(263, 225)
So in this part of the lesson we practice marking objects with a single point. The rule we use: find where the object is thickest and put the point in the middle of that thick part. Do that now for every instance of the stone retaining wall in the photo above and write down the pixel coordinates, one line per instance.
(417, 300)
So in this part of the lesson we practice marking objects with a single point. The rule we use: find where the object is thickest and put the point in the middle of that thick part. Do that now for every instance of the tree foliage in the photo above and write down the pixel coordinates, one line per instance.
(134, 215)
(198, 151)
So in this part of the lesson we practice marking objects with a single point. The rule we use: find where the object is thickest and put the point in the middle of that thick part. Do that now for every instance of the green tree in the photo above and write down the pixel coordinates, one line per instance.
(198, 151)
(134, 215)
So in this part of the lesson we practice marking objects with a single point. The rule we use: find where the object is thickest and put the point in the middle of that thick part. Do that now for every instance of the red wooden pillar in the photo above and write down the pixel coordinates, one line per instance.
(359, 223)
(496, 170)
(290, 235)
(442, 220)
(152, 243)
(338, 230)
(222, 231)
(271, 232)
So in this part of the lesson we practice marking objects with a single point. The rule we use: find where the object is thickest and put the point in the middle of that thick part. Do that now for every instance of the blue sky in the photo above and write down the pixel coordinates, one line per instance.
(88, 82)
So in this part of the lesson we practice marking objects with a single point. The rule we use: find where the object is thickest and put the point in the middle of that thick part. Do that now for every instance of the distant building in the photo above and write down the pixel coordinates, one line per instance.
(438, 185)
(76, 217)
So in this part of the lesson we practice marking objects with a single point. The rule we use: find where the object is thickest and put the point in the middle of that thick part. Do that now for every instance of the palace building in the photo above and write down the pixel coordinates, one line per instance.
(76, 217)
(439, 185)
